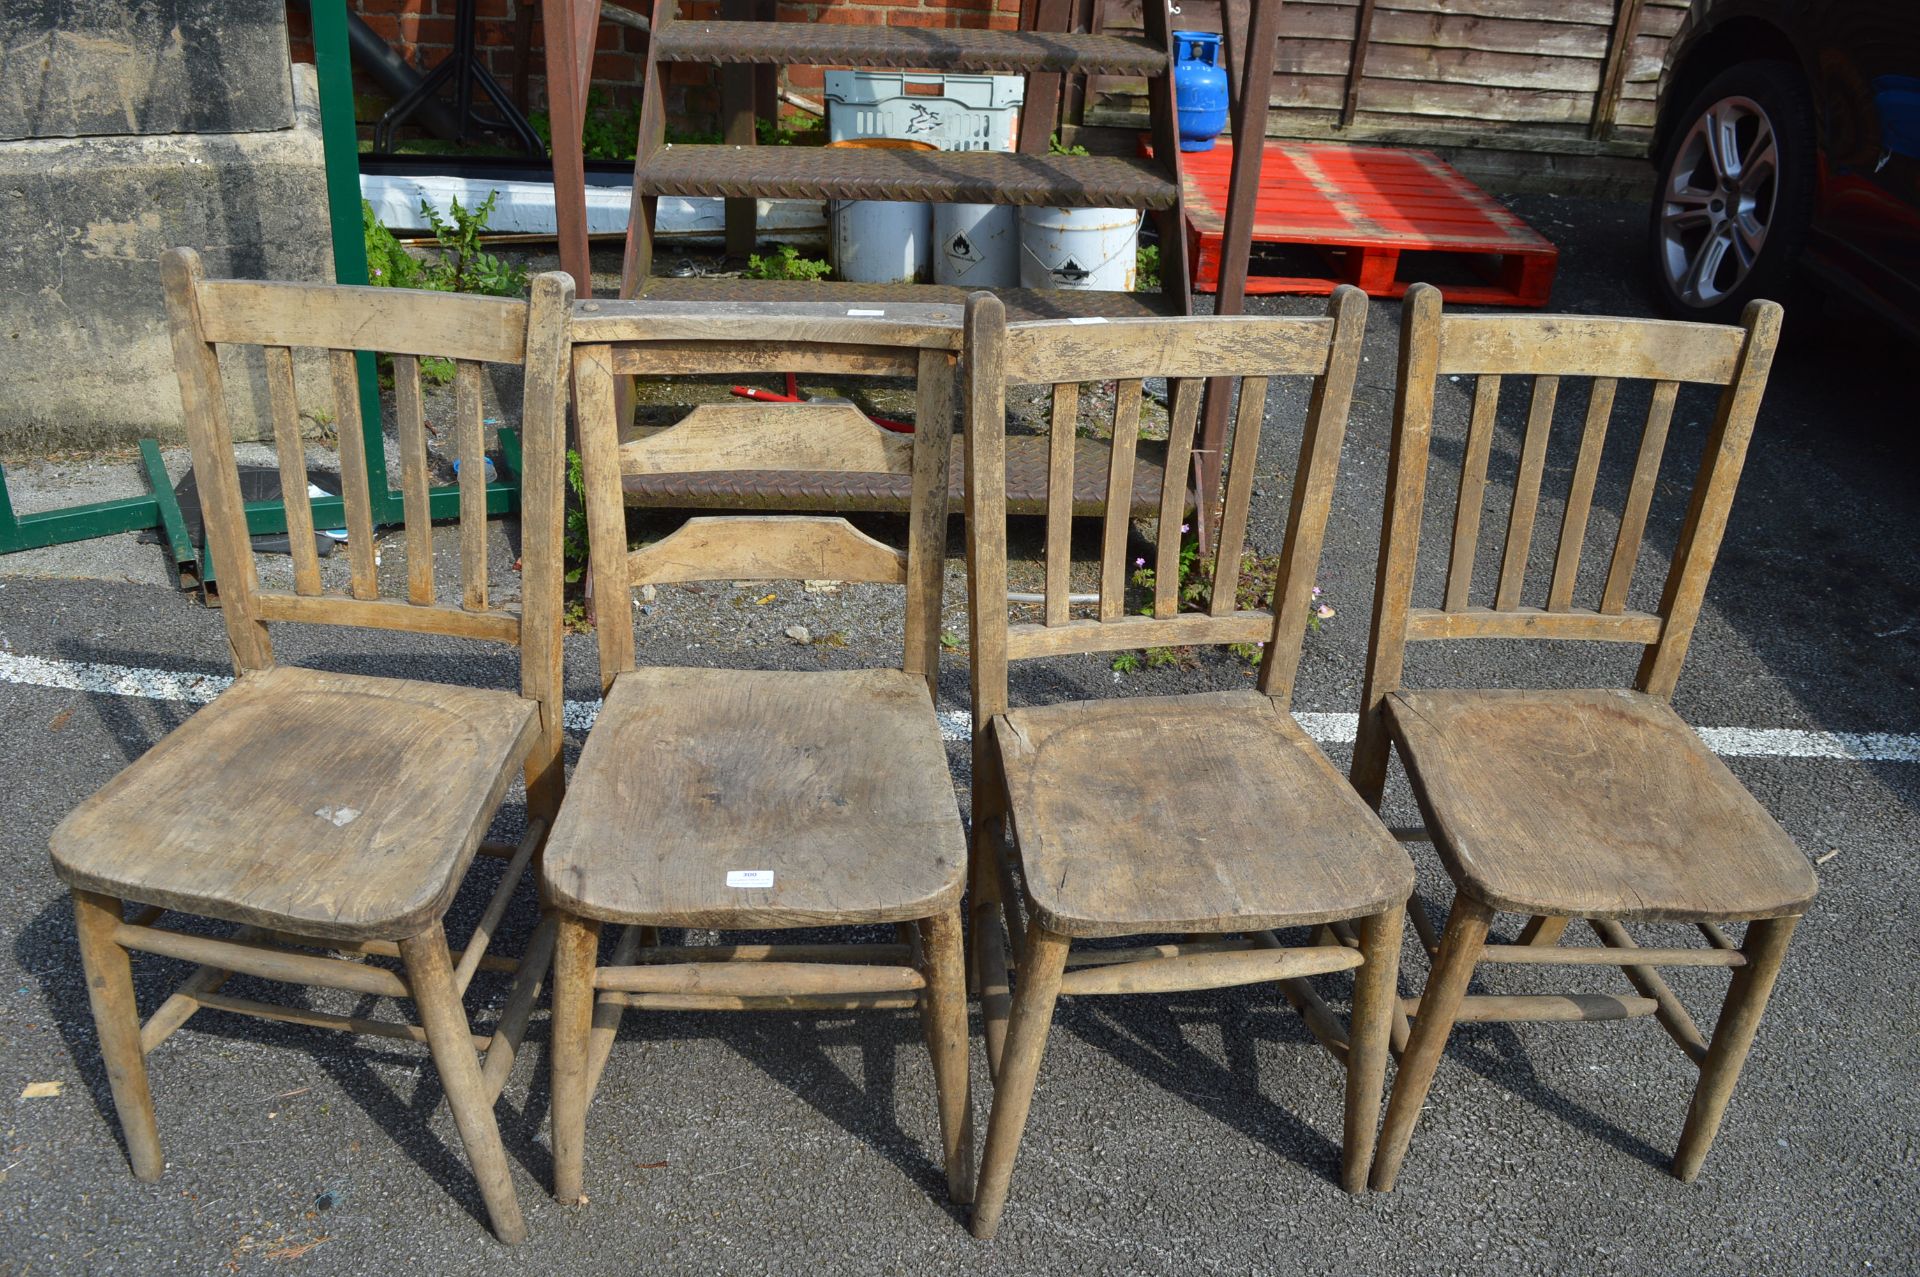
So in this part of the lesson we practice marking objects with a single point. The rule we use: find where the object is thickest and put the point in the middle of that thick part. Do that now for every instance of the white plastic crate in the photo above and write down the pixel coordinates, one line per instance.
(962, 113)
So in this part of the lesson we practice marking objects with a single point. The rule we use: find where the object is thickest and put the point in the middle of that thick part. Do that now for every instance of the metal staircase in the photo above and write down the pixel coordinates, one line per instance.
(1029, 176)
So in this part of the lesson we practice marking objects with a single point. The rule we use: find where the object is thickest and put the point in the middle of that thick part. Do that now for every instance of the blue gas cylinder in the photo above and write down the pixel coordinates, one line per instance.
(1200, 87)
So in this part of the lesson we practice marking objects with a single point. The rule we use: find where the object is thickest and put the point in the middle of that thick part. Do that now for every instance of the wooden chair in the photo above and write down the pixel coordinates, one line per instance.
(1212, 815)
(326, 811)
(1599, 805)
(760, 800)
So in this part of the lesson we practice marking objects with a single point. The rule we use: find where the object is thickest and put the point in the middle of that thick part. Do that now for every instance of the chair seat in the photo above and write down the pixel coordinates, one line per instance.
(333, 805)
(834, 783)
(1209, 812)
(1592, 804)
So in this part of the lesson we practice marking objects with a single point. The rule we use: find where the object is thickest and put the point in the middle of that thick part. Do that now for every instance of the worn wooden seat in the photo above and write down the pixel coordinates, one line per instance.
(1213, 809)
(833, 782)
(1211, 815)
(746, 800)
(327, 813)
(1561, 805)
(1628, 815)
(332, 805)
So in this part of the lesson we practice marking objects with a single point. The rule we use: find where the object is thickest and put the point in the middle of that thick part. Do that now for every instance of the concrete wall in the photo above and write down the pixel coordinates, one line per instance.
(84, 355)
(82, 68)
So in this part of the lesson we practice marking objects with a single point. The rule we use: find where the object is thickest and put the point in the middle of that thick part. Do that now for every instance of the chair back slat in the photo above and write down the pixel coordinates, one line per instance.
(1548, 348)
(831, 438)
(1633, 514)
(290, 450)
(596, 412)
(1119, 513)
(1526, 493)
(354, 491)
(1061, 434)
(1187, 352)
(795, 438)
(1175, 484)
(470, 441)
(1473, 491)
(1232, 540)
(937, 406)
(1586, 471)
(411, 416)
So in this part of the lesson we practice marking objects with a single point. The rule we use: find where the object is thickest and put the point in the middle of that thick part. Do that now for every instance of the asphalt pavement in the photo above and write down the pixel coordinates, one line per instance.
(1192, 1133)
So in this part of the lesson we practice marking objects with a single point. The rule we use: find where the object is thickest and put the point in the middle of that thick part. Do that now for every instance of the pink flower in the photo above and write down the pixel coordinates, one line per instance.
(1316, 591)
(1139, 563)
(1183, 527)
(1323, 611)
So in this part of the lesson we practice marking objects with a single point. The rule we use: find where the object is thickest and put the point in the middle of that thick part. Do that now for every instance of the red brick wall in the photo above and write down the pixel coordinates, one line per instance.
(422, 32)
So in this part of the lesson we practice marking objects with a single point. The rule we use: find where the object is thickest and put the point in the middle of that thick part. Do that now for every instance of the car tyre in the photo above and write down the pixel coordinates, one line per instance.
(1735, 192)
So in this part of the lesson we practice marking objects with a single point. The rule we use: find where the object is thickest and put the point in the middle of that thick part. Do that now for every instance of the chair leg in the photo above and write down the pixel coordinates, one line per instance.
(1544, 929)
(576, 953)
(987, 941)
(450, 1038)
(116, 1019)
(1460, 946)
(1039, 986)
(1765, 948)
(943, 1010)
(1376, 997)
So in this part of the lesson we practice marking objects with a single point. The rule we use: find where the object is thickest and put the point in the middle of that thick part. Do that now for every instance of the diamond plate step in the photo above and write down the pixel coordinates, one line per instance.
(807, 44)
(947, 177)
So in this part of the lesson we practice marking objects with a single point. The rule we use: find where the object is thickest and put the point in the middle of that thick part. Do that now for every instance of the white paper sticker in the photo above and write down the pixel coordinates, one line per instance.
(1087, 319)
(749, 877)
(865, 314)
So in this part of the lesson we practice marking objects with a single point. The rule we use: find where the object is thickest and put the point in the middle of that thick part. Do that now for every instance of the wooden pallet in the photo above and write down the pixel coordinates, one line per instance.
(1380, 218)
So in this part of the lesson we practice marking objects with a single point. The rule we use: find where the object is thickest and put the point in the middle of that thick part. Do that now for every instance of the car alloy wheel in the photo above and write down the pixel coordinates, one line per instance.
(1718, 201)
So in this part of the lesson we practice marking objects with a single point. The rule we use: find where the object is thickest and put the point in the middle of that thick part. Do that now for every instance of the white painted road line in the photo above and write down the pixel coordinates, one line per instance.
(956, 724)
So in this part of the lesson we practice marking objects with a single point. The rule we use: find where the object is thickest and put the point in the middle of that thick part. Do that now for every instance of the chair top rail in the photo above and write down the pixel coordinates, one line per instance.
(1582, 346)
(919, 325)
(393, 321)
(1053, 351)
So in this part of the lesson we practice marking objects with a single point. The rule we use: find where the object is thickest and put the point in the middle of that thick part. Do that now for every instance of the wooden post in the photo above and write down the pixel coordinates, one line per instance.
(572, 27)
(1613, 78)
(1040, 107)
(1357, 64)
(1236, 248)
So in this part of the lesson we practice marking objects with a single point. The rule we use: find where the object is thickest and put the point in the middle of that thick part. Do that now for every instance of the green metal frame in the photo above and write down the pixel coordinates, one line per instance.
(340, 145)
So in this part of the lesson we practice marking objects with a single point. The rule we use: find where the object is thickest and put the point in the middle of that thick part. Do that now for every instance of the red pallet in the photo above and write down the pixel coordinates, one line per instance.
(1378, 217)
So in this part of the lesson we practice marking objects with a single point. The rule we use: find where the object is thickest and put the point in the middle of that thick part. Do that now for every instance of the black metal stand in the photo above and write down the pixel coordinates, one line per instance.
(464, 68)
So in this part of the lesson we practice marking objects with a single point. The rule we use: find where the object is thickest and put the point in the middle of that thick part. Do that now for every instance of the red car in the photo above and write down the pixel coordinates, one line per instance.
(1788, 150)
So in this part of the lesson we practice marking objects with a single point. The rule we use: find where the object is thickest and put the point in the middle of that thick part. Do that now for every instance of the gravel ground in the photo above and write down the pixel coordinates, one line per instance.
(1196, 1132)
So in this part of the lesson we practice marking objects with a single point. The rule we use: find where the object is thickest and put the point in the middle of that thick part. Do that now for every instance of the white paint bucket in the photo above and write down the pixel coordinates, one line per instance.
(976, 245)
(882, 242)
(1091, 248)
